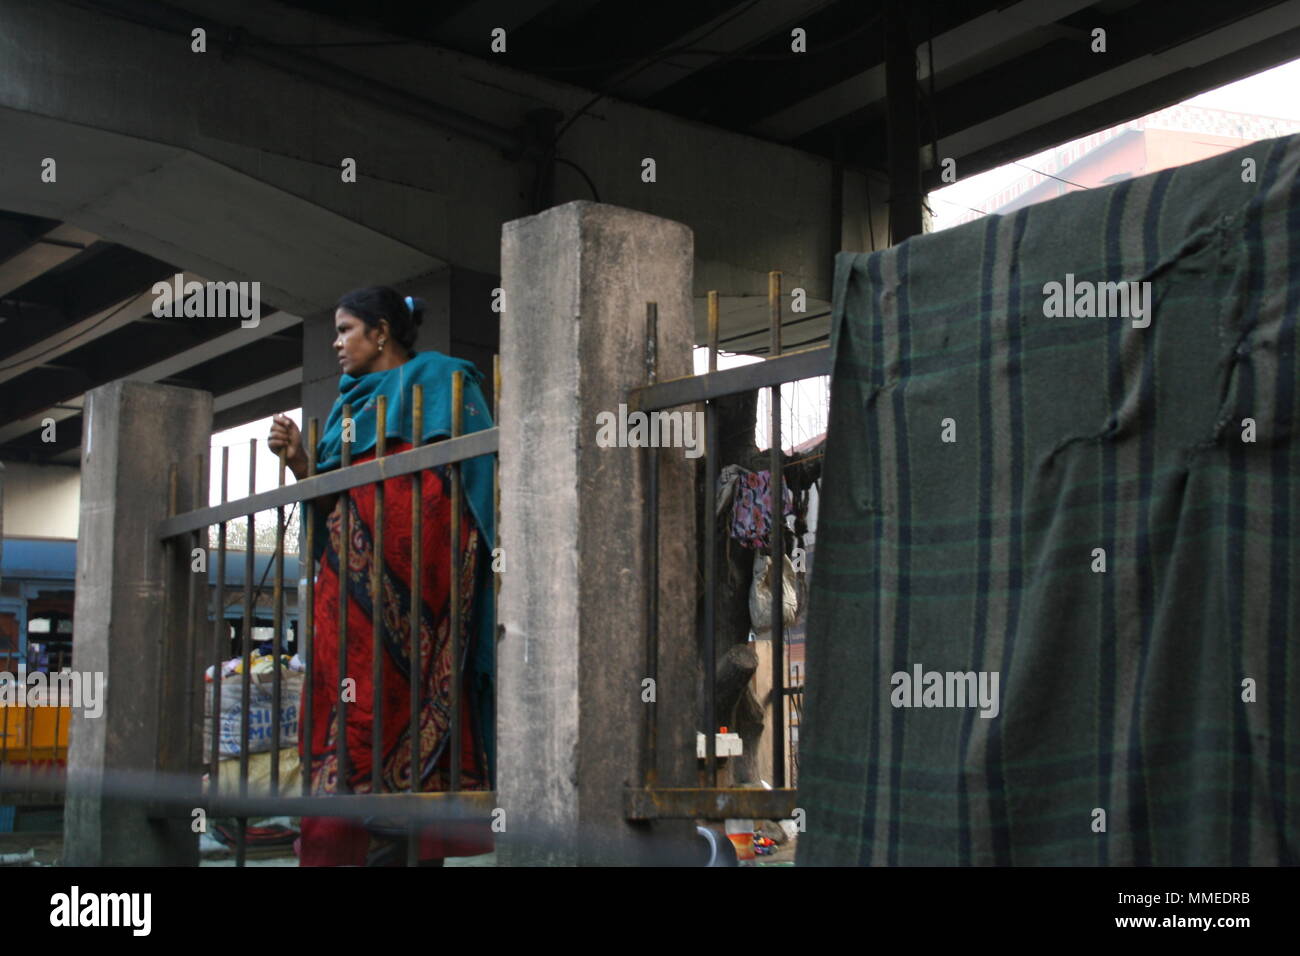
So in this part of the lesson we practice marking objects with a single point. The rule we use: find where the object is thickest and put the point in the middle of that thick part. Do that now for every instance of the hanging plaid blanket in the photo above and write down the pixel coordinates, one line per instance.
(1054, 611)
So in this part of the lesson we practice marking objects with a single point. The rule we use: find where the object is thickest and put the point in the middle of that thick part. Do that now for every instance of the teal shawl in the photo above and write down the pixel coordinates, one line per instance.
(432, 371)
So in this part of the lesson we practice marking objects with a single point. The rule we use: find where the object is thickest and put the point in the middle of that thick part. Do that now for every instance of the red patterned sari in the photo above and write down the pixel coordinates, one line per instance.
(328, 841)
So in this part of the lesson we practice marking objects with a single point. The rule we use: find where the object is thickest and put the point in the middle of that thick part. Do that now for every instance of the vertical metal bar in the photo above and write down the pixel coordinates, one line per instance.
(777, 568)
(496, 525)
(417, 602)
(58, 709)
(307, 618)
(345, 540)
(457, 402)
(193, 681)
(376, 608)
(29, 727)
(221, 637)
(171, 546)
(246, 681)
(4, 728)
(710, 557)
(650, 531)
(277, 636)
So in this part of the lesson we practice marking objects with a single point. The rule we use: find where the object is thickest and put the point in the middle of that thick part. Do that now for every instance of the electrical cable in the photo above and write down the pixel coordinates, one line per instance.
(1050, 176)
(583, 174)
(609, 87)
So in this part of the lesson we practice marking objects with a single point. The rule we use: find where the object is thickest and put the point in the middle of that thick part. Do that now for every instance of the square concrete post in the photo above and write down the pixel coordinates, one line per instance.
(131, 604)
(573, 595)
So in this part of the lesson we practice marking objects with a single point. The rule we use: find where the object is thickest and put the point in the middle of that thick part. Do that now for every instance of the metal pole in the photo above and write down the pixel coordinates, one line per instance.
(457, 405)
(193, 681)
(777, 514)
(307, 619)
(710, 556)
(417, 602)
(277, 625)
(247, 676)
(345, 539)
(377, 609)
(651, 532)
(221, 636)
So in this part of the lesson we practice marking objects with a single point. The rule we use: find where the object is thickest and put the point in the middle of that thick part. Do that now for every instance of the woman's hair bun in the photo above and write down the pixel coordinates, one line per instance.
(417, 310)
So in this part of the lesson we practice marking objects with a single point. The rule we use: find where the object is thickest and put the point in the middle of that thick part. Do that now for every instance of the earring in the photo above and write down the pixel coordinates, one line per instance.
(381, 344)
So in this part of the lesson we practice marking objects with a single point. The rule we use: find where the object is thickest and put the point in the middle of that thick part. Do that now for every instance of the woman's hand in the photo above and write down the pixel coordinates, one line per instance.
(285, 434)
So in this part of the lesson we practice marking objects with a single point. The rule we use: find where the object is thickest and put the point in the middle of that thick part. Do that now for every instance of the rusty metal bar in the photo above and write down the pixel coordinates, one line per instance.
(221, 637)
(277, 637)
(776, 570)
(689, 803)
(710, 558)
(307, 617)
(345, 540)
(450, 805)
(496, 525)
(193, 681)
(246, 683)
(4, 727)
(376, 608)
(457, 414)
(650, 463)
(482, 442)
(58, 709)
(416, 673)
(789, 367)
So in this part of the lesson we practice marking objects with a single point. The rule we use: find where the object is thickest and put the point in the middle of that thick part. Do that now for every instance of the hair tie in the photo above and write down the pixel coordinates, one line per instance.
(410, 305)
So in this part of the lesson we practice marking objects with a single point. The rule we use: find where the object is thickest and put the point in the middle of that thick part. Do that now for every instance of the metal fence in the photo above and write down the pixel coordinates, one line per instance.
(188, 533)
(185, 531)
(709, 801)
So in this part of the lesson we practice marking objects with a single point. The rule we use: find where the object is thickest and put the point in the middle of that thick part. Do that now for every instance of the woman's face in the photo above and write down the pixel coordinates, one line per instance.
(356, 344)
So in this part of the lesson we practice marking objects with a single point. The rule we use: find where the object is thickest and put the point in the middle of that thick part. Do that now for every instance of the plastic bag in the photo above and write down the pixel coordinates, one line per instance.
(760, 596)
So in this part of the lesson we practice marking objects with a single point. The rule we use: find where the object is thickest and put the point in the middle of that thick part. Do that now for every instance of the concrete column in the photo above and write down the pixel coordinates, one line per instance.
(131, 625)
(572, 657)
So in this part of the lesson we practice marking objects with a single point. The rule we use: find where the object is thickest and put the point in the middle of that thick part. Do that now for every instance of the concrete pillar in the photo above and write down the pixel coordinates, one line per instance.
(131, 623)
(572, 657)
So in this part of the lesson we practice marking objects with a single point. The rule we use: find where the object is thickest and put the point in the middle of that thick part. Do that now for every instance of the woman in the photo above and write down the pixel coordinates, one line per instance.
(375, 346)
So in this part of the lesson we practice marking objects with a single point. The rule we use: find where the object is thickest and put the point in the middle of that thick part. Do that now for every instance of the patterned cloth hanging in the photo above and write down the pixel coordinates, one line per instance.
(751, 512)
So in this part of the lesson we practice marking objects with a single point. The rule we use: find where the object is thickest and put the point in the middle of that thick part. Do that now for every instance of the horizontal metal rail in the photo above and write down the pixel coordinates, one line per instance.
(430, 806)
(789, 367)
(706, 803)
(444, 452)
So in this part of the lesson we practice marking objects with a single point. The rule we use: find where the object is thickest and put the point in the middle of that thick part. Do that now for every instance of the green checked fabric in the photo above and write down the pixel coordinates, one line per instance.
(1120, 690)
